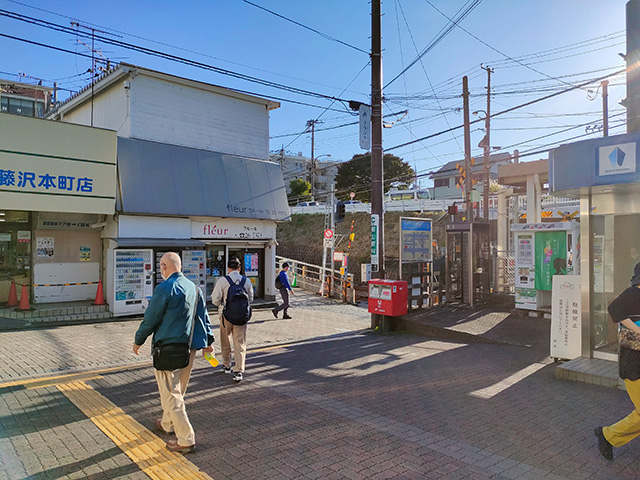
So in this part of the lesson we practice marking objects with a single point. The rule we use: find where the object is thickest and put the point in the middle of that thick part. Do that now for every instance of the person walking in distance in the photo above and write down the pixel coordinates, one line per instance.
(282, 284)
(176, 315)
(233, 326)
(625, 310)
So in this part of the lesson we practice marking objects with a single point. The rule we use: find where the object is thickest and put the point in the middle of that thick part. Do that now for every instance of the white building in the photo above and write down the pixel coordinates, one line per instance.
(299, 167)
(193, 175)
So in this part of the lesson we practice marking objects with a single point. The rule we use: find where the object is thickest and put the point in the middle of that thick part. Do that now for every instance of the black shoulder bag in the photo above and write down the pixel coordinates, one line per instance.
(173, 356)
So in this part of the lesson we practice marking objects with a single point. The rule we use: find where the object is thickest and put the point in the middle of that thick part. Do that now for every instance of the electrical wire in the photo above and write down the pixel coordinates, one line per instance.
(323, 35)
(461, 15)
(157, 53)
(506, 111)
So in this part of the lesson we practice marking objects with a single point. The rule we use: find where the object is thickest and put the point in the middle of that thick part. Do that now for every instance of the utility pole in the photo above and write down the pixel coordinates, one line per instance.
(377, 207)
(605, 108)
(487, 146)
(312, 125)
(467, 150)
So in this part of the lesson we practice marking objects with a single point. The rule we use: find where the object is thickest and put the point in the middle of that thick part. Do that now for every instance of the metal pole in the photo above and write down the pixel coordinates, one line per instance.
(467, 149)
(312, 124)
(487, 147)
(605, 108)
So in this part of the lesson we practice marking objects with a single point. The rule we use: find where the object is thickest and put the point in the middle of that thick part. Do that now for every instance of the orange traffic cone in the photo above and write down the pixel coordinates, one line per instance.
(13, 296)
(24, 299)
(99, 295)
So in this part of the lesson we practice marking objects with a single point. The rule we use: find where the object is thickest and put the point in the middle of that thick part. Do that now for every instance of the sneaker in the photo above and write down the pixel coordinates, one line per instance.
(606, 449)
(287, 317)
(275, 313)
(226, 370)
(237, 377)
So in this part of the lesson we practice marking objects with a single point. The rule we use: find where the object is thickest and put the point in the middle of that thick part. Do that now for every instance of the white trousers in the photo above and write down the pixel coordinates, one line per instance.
(172, 386)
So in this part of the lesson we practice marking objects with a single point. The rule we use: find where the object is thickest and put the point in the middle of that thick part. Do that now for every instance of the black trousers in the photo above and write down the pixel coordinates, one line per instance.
(284, 293)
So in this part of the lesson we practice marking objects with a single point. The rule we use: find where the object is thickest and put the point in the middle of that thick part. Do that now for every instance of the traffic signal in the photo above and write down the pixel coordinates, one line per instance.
(341, 210)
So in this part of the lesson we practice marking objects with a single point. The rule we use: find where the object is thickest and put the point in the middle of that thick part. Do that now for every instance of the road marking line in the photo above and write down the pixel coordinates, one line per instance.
(137, 442)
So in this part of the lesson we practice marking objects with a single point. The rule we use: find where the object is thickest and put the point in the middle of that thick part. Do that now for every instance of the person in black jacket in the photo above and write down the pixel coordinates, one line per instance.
(625, 309)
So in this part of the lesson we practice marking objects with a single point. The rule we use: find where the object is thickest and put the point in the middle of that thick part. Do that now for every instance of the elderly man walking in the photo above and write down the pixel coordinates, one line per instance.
(176, 315)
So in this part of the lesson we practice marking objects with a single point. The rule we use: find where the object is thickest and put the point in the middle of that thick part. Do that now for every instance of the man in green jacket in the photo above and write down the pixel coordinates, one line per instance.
(169, 317)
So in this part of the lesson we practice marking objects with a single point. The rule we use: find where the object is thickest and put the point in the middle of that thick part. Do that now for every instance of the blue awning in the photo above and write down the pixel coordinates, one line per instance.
(160, 179)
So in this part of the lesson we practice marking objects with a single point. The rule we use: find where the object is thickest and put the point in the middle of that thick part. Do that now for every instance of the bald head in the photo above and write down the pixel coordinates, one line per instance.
(170, 263)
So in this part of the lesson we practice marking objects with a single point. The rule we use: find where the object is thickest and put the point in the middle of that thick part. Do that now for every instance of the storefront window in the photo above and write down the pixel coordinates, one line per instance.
(615, 252)
(15, 250)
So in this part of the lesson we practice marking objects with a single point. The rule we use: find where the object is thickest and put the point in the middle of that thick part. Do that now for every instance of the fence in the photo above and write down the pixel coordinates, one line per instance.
(505, 271)
(308, 277)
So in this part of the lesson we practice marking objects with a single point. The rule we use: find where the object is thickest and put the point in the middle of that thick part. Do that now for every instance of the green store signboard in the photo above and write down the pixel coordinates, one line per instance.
(551, 257)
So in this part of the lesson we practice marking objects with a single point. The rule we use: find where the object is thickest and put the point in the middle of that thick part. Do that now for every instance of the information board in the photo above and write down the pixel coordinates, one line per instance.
(566, 335)
(415, 240)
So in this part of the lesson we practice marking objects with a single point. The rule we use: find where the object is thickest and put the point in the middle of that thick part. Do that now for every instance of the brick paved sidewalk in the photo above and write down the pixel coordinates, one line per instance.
(352, 407)
(38, 352)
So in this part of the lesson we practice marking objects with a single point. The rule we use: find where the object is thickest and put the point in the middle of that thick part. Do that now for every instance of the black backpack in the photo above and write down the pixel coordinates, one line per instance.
(278, 282)
(237, 309)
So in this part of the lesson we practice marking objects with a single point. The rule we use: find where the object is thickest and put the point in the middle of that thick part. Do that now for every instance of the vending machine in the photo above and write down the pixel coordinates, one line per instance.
(132, 286)
(194, 267)
(542, 251)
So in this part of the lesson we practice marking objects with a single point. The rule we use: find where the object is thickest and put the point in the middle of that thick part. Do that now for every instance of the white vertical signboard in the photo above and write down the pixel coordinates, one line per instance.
(566, 335)
(365, 127)
(375, 237)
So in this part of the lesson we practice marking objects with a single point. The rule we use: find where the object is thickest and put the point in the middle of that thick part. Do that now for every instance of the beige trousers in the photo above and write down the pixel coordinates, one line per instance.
(172, 386)
(237, 334)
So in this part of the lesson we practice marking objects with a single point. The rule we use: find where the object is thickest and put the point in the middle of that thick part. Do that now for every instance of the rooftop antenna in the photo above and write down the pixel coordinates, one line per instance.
(93, 56)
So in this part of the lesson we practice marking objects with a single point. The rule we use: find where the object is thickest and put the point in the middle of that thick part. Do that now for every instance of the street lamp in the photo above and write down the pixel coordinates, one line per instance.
(314, 170)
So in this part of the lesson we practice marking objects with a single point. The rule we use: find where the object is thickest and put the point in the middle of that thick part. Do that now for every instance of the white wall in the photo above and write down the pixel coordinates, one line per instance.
(110, 110)
(167, 112)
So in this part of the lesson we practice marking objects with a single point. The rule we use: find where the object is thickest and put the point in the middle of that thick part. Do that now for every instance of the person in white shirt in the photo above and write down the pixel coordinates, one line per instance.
(228, 331)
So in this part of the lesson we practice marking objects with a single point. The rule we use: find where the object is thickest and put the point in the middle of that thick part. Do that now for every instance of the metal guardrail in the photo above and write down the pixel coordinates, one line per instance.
(308, 277)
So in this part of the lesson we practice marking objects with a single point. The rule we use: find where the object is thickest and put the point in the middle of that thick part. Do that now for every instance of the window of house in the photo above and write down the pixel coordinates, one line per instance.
(441, 182)
(19, 106)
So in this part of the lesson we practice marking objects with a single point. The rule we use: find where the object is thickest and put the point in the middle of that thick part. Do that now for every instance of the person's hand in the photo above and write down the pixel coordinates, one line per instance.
(136, 348)
(209, 349)
(292, 292)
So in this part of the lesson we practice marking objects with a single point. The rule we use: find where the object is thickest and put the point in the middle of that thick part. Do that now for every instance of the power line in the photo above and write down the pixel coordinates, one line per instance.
(507, 110)
(160, 54)
(323, 35)
(461, 15)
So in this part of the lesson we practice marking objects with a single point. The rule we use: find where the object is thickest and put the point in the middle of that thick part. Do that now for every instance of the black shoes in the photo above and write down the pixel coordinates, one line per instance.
(275, 313)
(606, 449)
(287, 317)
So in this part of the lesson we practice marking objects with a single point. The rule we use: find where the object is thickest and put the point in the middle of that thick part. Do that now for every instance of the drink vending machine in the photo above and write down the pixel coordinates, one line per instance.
(132, 285)
(543, 250)
(194, 267)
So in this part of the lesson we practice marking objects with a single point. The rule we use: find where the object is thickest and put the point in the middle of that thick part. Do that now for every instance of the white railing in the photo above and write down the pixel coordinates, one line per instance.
(308, 277)
(548, 202)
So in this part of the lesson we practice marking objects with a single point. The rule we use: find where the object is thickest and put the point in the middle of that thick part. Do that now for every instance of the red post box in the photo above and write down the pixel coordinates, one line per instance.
(388, 297)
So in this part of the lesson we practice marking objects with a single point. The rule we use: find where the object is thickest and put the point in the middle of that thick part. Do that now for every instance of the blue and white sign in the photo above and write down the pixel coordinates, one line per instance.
(415, 240)
(617, 159)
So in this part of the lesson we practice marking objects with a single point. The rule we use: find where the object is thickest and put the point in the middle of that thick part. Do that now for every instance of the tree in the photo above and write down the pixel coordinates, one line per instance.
(355, 175)
(300, 191)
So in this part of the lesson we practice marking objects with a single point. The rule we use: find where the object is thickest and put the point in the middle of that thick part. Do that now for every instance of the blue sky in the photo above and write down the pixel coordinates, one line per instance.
(536, 48)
